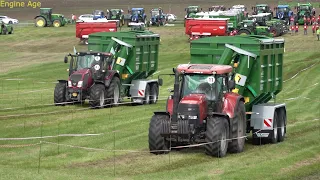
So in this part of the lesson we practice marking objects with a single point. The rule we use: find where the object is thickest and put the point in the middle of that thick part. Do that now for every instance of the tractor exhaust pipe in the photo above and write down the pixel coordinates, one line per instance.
(176, 95)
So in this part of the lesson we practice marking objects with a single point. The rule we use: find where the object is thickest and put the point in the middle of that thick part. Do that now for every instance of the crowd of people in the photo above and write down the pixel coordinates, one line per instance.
(313, 21)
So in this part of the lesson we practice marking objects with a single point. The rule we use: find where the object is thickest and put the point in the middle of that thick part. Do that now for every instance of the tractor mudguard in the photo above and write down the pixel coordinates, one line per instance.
(230, 103)
(110, 74)
(39, 16)
(62, 81)
(162, 113)
(169, 107)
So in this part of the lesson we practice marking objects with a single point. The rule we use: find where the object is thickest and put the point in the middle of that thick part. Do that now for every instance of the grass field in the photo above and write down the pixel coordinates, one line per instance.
(32, 61)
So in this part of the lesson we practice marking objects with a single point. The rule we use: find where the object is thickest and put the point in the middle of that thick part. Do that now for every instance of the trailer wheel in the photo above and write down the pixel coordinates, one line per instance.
(113, 92)
(60, 94)
(157, 143)
(281, 124)
(154, 93)
(274, 135)
(146, 99)
(238, 129)
(11, 32)
(97, 96)
(216, 136)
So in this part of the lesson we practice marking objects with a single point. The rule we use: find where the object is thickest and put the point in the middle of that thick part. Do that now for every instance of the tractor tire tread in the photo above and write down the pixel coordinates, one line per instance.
(157, 143)
(60, 93)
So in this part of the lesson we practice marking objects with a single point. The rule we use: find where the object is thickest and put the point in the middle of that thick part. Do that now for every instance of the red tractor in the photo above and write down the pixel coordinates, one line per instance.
(202, 109)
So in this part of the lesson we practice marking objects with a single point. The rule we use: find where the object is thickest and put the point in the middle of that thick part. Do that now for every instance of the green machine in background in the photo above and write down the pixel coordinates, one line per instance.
(46, 18)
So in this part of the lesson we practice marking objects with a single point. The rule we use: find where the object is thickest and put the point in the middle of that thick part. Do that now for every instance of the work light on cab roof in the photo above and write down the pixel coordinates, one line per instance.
(204, 68)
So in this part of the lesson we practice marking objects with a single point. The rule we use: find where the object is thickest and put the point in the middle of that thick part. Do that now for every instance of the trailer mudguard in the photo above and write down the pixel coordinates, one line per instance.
(138, 87)
(110, 74)
(230, 103)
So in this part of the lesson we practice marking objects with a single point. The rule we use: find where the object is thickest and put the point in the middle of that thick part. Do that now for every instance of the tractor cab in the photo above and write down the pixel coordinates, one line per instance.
(157, 17)
(283, 12)
(115, 13)
(98, 14)
(217, 8)
(239, 7)
(192, 10)
(137, 15)
(261, 8)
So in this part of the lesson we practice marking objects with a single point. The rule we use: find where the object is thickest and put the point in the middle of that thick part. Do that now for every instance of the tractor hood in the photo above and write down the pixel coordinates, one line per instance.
(80, 79)
(193, 107)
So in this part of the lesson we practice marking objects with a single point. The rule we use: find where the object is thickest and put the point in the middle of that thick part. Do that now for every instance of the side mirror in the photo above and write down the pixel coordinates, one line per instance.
(231, 84)
(174, 70)
(160, 82)
(66, 59)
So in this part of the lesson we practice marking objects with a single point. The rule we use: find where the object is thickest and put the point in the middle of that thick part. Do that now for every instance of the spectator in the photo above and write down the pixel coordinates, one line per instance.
(318, 19)
(313, 28)
(297, 28)
(308, 21)
(73, 19)
(292, 20)
(305, 29)
(318, 33)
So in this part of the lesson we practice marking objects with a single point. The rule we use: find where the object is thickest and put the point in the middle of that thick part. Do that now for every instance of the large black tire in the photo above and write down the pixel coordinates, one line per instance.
(40, 22)
(154, 93)
(60, 94)
(274, 135)
(157, 143)
(56, 23)
(282, 122)
(274, 31)
(243, 32)
(97, 96)
(113, 92)
(238, 129)
(216, 136)
(146, 99)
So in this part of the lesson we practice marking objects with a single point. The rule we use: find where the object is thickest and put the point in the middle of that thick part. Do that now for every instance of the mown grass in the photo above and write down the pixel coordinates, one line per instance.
(36, 57)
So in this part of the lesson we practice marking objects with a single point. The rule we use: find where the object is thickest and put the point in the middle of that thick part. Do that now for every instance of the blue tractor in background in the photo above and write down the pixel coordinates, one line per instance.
(98, 14)
(283, 12)
(137, 15)
(158, 18)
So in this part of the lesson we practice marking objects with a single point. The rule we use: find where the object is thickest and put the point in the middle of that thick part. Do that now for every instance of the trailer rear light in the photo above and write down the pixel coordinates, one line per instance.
(69, 84)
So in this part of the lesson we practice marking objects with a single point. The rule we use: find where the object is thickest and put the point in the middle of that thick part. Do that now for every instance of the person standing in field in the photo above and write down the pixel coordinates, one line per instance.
(305, 29)
(318, 33)
(297, 28)
(292, 30)
(313, 28)
(292, 21)
(73, 19)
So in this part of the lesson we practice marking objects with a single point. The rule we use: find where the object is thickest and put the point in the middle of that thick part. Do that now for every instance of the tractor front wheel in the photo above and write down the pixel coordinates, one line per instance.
(56, 23)
(11, 32)
(97, 96)
(40, 22)
(238, 129)
(216, 136)
(4, 30)
(60, 94)
(157, 143)
(113, 92)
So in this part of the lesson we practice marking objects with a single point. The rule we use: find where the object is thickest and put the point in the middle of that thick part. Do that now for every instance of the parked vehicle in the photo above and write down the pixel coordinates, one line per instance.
(85, 17)
(221, 95)
(191, 11)
(113, 68)
(47, 19)
(99, 14)
(117, 14)
(157, 17)
(261, 8)
(137, 15)
(304, 10)
(83, 29)
(200, 27)
(251, 27)
(171, 17)
(217, 8)
(283, 12)
(8, 20)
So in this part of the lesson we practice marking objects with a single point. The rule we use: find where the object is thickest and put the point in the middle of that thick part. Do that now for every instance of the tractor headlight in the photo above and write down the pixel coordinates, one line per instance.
(97, 58)
(80, 84)
(245, 25)
(97, 67)
(193, 117)
(69, 84)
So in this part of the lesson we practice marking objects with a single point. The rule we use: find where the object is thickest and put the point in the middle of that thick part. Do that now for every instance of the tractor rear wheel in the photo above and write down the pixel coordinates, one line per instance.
(56, 23)
(40, 22)
(243, 32)
(274, 32)
(60, 94)
(113, 92)
(97, 96)
(4, 30)
(238, 129)
(154, 93)
(216, 136)
(157, 143)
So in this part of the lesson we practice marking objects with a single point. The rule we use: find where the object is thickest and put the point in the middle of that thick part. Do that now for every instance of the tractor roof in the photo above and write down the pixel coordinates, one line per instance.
(304, 4)
(136, 9)
(115, 9)
(283, 6)
(204, 69)
(45, 8)
(193, 6)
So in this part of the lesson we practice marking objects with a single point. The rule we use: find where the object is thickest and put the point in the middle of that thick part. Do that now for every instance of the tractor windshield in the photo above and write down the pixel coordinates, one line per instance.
(114, 12)
(209, 85)
(261, 8)
(155, 13)
(304, 8)
(283, 9)
(192, 10)
(136, 12)
(85, 61)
